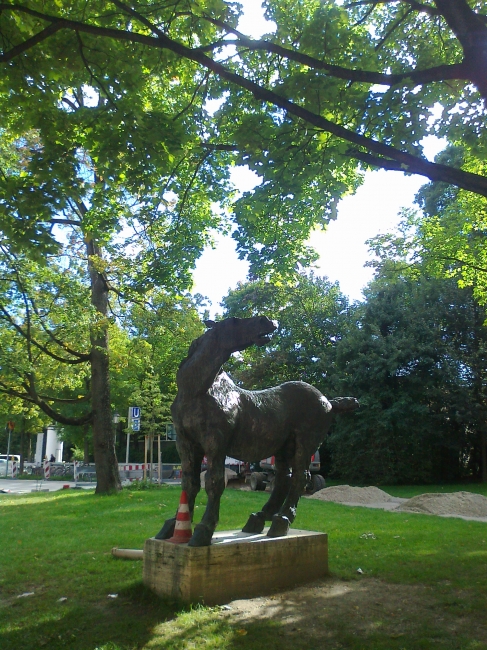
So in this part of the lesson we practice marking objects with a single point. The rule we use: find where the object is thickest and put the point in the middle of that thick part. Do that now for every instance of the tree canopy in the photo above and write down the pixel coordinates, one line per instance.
(336, 82)
(413, 353)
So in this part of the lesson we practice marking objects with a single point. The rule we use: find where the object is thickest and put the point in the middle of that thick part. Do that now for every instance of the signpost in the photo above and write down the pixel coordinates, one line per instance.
(133, 424)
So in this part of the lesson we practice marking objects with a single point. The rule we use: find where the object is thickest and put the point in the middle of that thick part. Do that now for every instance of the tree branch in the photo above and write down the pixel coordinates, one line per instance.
(54, 415)
(411, 77)
(82, 358)
(30, 42)
(480, 269)
(411, 164)
(66, 222)
(74, 400)
(413, 3)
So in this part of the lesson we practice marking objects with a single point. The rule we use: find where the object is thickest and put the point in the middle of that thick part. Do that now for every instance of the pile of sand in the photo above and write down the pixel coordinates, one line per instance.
(467, 504)
(348, 494)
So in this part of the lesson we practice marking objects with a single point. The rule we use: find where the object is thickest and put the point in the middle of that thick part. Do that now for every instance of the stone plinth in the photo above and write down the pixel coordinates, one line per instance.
(236, 565)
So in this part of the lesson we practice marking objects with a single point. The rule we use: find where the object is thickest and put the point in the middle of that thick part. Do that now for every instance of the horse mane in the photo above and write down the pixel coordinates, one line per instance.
(193, 348)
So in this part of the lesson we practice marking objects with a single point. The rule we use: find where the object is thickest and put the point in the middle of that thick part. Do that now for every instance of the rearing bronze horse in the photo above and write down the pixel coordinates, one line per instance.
(216, 418)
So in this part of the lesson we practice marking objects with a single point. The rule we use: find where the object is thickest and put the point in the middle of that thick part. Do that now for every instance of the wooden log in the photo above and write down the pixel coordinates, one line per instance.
(236, 565)
(129, 553)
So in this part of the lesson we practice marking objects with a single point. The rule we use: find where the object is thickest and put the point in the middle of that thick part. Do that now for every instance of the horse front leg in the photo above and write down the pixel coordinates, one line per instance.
(282, 520)
(214, 486)
(191, 458)
(282, 484)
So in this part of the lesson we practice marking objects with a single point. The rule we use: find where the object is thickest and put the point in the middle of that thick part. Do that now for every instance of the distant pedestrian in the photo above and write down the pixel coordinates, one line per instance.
(52, 459)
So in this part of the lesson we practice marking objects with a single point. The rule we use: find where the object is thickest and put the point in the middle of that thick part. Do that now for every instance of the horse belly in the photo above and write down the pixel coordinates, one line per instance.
(259, 433)
(271, 417)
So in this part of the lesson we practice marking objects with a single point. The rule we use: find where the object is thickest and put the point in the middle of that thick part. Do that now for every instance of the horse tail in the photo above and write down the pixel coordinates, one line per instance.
(344, 404)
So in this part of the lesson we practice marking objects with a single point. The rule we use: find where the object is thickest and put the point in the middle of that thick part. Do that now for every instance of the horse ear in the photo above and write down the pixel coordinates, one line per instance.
(209, 323)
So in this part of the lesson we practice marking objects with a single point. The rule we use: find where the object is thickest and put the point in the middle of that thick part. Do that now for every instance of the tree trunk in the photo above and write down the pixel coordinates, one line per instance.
(107, 475)
(22, 454)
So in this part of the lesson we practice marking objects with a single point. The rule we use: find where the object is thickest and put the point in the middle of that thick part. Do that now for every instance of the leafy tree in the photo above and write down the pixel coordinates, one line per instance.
(312, 317)
(450, 233)
(413, 354)
(164, 333)
(44, 347)
(446, 240)
(28, 422)
(138, 218)
(155, 409)
(44, 327)
(156, 338)
(413, 361)
(445, 236)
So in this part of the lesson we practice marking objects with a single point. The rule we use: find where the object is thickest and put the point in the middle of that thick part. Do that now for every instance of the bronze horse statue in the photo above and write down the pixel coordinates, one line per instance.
(216, 418)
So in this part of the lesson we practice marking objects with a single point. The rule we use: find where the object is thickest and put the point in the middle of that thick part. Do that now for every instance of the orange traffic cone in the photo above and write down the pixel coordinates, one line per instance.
(182, 530)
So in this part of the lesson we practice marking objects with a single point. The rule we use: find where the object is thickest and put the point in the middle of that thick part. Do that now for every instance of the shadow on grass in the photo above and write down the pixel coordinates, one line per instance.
(329, 614)
(123, 622)
(364, 613)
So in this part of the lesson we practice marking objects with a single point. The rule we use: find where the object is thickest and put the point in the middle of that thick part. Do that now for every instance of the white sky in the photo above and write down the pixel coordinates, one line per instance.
(372, 210)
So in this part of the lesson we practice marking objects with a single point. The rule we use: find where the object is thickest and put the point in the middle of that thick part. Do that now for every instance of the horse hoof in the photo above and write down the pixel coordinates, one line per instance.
(279, 527)
(201, 536)
(255, 524)
(167, 530)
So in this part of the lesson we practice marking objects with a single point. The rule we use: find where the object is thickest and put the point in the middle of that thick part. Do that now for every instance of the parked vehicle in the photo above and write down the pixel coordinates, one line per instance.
(266, 477)
(11, 457)
(238, 468)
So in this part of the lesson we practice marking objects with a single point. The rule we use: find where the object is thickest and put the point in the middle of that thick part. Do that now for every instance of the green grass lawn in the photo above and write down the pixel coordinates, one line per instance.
(58, 546)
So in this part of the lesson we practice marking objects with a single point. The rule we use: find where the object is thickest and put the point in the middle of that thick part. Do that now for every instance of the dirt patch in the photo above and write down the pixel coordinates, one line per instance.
(331, 610)
(453, 503)
(356, 495)
(466, 505)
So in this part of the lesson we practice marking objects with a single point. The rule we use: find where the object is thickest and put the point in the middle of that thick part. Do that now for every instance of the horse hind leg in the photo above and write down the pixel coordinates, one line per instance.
(191, 458)
(282, 484)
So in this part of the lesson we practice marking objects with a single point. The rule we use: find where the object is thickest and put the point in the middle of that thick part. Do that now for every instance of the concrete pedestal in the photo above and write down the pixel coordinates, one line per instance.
(236, 565)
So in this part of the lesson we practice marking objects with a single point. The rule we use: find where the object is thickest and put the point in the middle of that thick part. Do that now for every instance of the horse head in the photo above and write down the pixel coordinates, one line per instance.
(235, 334)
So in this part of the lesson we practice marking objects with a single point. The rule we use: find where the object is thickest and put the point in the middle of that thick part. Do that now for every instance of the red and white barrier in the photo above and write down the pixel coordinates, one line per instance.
(14, 469)
(133, 468)
(47, 469)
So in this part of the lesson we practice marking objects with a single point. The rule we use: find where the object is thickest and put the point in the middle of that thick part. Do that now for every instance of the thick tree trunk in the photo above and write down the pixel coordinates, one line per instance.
(22, 453)
(107, 476)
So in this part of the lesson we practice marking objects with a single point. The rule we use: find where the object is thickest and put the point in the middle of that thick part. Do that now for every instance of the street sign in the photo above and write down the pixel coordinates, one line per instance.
(133, 417)
(133, 425)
